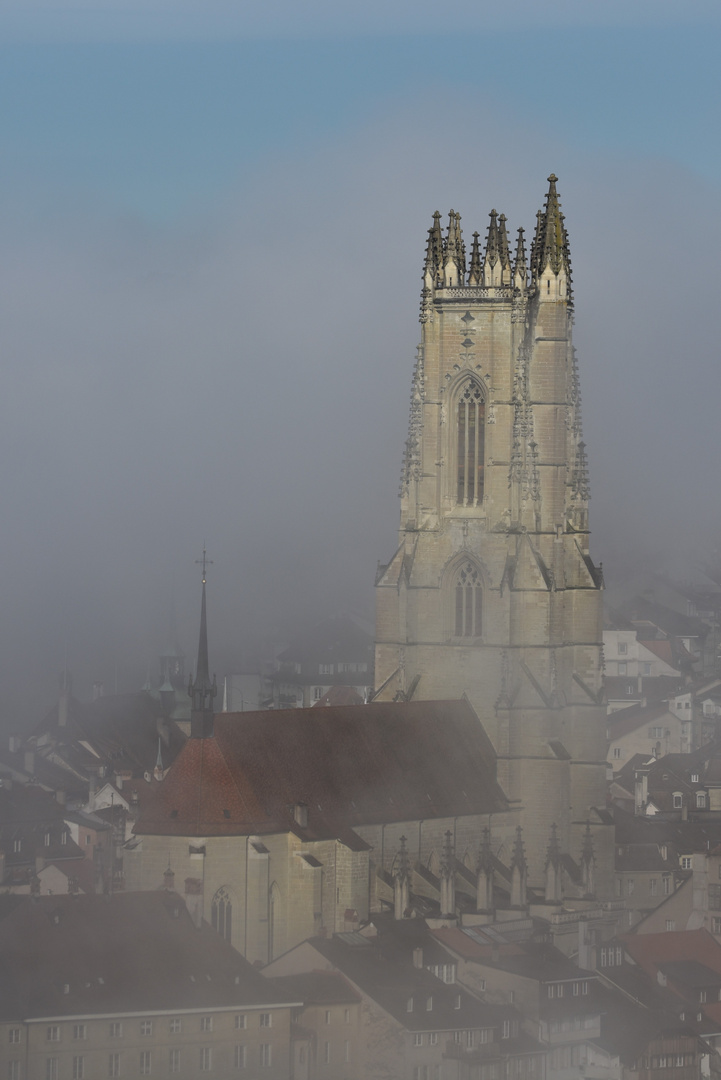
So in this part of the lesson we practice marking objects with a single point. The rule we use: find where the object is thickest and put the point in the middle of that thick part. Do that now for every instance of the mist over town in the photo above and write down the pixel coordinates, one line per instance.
(441, 803)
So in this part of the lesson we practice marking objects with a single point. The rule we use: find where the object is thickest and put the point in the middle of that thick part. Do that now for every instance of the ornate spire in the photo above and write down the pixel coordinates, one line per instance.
(202, 691)
(588, 862)
(504, 253)
(519, 871)
(448, 878)
(553, 851)
(402, 883)
(519, 852)
(447, 855)
(550, 245)
(454, 264)
(520, 271)
(475, 271)
(485, 853)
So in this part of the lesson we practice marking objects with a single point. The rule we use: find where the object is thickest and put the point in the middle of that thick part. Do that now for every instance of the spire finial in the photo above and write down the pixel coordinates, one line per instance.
(204, 562)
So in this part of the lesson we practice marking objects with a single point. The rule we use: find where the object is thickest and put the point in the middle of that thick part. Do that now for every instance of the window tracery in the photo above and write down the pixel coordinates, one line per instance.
(470, 417)
(468, 599)
(222, 913)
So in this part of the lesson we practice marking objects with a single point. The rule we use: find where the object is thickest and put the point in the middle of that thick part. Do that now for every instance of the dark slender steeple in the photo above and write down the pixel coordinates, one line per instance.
(520, 273)
(202, 691)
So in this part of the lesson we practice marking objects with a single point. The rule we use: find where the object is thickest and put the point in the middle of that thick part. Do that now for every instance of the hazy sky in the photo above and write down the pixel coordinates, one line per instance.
(212, 222)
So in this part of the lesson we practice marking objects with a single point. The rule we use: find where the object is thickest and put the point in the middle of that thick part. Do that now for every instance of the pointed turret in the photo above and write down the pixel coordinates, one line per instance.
(553, 891)
(504, 252)
(484, 884)
(454, 265)
(519, 871)
(202, 691)
(520, 270)
(550, 259)
(401, 883)
(475, 275)
(588, 862)
(448, 878)
(492, 268)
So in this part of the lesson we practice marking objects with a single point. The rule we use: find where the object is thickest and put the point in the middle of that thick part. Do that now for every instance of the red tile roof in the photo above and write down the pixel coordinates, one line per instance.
(350, 765)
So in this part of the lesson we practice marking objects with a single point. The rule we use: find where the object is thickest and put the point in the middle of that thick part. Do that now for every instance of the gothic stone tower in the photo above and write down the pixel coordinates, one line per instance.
(492, 591)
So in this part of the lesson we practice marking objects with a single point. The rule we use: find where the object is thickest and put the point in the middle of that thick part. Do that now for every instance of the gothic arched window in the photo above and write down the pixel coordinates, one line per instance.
(222, 913)
(468, 599)
(470, 418)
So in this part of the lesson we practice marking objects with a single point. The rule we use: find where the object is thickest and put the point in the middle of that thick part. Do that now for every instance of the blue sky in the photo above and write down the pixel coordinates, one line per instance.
(212, 221)
(156, 126)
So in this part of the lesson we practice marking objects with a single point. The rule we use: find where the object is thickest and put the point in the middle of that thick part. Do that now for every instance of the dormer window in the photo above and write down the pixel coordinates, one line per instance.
(694, 778)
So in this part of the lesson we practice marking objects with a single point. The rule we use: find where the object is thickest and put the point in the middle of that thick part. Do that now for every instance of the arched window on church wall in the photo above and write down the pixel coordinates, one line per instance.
(470, 418)
(222, 913)
(468, 602)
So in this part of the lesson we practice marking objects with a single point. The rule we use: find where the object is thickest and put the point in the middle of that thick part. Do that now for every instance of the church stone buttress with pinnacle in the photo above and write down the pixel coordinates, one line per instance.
(492, 592)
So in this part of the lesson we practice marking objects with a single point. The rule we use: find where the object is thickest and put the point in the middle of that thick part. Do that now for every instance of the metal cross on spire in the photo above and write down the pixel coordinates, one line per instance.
(204, 562)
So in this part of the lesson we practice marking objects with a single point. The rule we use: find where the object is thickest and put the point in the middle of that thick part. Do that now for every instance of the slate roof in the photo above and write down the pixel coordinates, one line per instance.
(126, 953)
(403, 990)
(625, 721)
(350, 765)
(122, 730)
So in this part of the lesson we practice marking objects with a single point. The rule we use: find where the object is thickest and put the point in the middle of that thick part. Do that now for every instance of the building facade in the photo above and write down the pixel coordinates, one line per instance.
(492, 592)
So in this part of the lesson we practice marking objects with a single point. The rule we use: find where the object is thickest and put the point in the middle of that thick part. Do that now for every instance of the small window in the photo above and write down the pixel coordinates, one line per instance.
(622, 666)
(206, 1058)
(47, 839)
(346, 1016)
(670, 924)
(317, 693)
(14, 1070)
(327, 1016)
(206, 1023)
(80, 1031)
(176, 1026)
(700, 800)
(622, 648)
(53, 1033)
(677, 800)
(63, 837)
(346, 1052)
(114, 1065)
(17, 846)
(266, 1020)
(433, 1038)
(265, 1055)
(409, 1005)
(174, 1061)
(116, 1030)
(78, 1068)
(326, 1053)
(506, 1029)
(14, 1035)
(146, 1029)
(51, 1068)
(145, 1063)
(239, 1057)
(617, 752)
(417, 1040)
(241, 1022)
(653, 886)
(685, 862)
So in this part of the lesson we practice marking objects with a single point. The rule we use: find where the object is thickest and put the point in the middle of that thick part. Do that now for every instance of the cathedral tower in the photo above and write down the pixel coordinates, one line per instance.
(492, 592)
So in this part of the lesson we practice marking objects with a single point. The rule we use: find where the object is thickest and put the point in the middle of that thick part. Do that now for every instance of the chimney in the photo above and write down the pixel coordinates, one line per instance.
(30, 762)
(300, 814)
